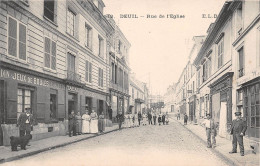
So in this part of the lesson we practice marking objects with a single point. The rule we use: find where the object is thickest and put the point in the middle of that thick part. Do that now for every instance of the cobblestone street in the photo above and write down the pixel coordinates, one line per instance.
(146, 145)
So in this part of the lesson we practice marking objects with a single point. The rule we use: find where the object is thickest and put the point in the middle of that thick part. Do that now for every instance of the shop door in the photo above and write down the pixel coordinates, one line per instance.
(223, 119)
(1, 110)
(191, 111)
(72, 103)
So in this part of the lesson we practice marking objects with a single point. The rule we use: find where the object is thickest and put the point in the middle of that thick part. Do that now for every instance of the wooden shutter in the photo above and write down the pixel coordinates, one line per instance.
(43, 103)
(11, 100)
(12, 37)
(90, 72)
(61, 104)
(47, 52)
(22, 41)
(53, 55)
(87, 71)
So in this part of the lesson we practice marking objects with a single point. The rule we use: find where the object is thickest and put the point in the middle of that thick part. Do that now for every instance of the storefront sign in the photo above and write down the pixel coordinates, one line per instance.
(72, 88)
(254, 74)
(24, 78)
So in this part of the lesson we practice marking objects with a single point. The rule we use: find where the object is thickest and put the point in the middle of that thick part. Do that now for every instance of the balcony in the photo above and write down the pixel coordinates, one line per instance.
(241, 72)
(74, 77)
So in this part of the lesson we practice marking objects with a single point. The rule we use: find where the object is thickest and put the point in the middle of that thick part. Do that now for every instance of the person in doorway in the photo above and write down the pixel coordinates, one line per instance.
(78, 123)
(25, 122)
(139, 118)
(93, 122)
(72, 123)
(85, 122)
(101, 122)
(210, 131)
(120, 119)
(185, 119)
(238, 130)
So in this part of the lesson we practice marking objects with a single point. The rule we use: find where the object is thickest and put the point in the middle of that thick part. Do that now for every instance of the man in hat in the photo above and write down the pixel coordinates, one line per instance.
(210, 131)
(120, 119)
(238, 129)
(25, 122)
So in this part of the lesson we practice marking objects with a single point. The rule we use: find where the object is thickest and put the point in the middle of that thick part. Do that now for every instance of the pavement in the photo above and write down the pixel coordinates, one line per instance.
(224, 146)
(42, 145)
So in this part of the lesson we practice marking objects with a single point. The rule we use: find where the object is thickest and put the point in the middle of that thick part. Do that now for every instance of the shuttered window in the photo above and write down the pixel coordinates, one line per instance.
(88, 76)
(71, 63)
(50, 54)
(100, 77)
(71, 17)
(220, 52)
(16, 39)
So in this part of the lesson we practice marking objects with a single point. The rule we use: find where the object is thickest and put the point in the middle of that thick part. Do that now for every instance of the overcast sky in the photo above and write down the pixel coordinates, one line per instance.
(160, 46)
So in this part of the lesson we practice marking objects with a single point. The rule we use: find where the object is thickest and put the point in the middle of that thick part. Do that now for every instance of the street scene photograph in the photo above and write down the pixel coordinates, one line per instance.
(129, 83)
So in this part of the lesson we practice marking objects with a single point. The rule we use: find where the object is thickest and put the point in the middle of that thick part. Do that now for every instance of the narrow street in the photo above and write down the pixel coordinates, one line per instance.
(146, 145)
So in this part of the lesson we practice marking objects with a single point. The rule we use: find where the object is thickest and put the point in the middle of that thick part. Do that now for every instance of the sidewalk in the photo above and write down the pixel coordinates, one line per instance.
(224, 146)
(46, 144)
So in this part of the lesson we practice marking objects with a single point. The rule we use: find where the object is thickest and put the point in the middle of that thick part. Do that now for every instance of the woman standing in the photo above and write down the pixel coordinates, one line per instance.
(78, 123)
(101, 122)
(93, 122)
(85, 122)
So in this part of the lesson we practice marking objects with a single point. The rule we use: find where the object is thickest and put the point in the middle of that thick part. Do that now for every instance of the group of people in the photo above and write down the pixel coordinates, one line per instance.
(86, 123)
(138, 119)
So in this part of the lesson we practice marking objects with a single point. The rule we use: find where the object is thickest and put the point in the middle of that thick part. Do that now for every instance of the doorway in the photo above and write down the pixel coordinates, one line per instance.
(72, 102)
(100, 107)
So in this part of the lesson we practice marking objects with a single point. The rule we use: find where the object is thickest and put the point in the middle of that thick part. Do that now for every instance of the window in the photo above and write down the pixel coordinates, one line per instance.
(220, 52)
(50, 54)
(239, 20)
(100, 46)
(16, 39)
(119, 47)
(209, 66)
(53, 104)
(198, 78)
(49, 10)
(116, 81)
(133, 93)
(113, 72)
(24, 100)
(240, 101)
(100, 77)
(125, 81)
(88, 76)
(120, 77)
(205, 71)
(71, 63)
(241, 65)
(88, 36)
(71, 19)
(255, 105)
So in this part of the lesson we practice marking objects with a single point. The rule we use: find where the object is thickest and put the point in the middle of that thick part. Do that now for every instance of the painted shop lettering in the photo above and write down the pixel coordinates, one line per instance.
(4, 73)
(19, 77)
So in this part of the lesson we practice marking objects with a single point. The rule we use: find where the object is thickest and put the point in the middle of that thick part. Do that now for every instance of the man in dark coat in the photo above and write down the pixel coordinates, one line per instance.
(150, 118)
(139, 118)
(238, 129)
(185, 119)
(154, 118)
(25, 122)
(163, 119)
(72, 123)
(120, 119)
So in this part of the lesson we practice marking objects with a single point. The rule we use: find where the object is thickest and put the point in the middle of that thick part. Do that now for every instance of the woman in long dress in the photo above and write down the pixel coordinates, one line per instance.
(93, 122)
(85, 123)
(78, 123)
(101, 123)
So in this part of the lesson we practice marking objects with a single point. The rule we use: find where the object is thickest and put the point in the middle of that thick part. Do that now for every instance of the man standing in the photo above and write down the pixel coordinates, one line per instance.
(238, 129)
(139, 118)
(178, 116)
(150, 118)
(25, 122)
(210, 131)
(72, 123)
(120, 119)
(154, 118)
(163, 119)
(185, 119)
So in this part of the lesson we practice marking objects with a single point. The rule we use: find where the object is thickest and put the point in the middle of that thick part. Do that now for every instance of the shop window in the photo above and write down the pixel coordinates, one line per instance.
(89, 104)
(16, 39)
(255, 105)
(241, 64)
(240, 101)
(50, 54)
(53, 104)
(50, 10)
(24, 100)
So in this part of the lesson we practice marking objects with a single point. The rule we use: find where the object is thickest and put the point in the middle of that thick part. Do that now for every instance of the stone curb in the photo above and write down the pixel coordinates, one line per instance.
(50, 148)
(217, 152)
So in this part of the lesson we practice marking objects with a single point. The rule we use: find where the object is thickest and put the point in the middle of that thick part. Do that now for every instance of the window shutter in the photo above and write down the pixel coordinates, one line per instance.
(11, 100)
(53, 53)
(22, 42)
(102, 77)
(43, 102)
(87, 71)
(47, 52)
(12, 37)
(90, 72)
(61, 104)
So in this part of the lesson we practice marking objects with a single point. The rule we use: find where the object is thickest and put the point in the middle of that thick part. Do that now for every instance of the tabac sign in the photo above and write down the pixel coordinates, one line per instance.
(24, 78)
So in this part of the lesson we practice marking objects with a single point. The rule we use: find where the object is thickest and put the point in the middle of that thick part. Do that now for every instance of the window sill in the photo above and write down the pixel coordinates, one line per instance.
(88, 83)
(74, 37)
(50, 70)
(17, 60)
(50, 21)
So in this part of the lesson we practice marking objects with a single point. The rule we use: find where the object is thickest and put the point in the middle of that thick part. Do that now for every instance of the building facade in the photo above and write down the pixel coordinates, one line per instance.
(53, 58)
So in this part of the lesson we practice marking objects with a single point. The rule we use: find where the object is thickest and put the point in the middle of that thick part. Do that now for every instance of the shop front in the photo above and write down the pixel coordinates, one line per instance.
(44, 94)
(192, 109)
(221, 103)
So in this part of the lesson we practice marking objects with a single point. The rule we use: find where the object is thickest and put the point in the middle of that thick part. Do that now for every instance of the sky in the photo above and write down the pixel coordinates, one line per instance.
(160, 46)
